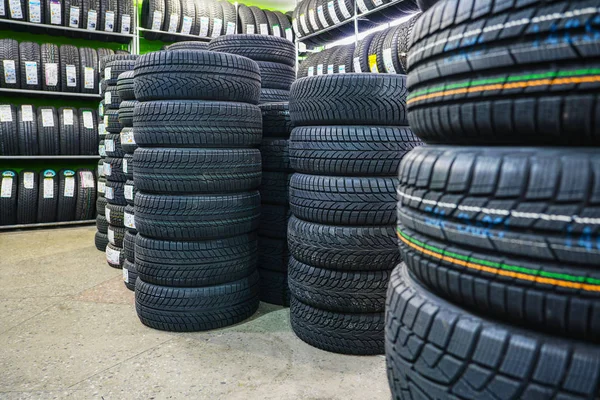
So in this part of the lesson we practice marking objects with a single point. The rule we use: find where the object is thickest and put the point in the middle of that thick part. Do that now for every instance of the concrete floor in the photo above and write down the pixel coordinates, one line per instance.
(68, 330)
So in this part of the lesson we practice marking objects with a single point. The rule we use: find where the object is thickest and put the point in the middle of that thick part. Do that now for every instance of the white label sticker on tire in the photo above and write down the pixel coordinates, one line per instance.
(129, 192)
(6, 189)
(55, 12)
(124, 163)
(109, 21)
(109, 192)
(276, 30)
(92, 20)
(111, 236)
(48, 188)
(289, 35)
(344, 9)
(88, 77)
(312, 19)
(68, 116)
(47, 118)
(264, 29)
(88, 120)
(15, 9)
(107, 73)
(319, 69)
(101, 129)
(35, 11)
(332, 13)
(28, 180)
(311, 71)
(173, 22)
(186, 25)
(5, 113)
(157, 18)
(107, 98)
(321, 16)
(357, 65)
(107, 168)
(362, 6)
(74, 14)
(51, 73)
(71, 75)
(109, 145)
(230, 28)
(217, 26)
(342, 69)
(10, 73)
(125, 23)
(107, 214)
(330, 69)
(2, 10)
(303, 23)
(126, 275)
(69, 186)
(102, 152)
(388, 61)
(127, 137)
(113, 256)
(204, 24)
(129, 220)
(250, 29)
(101, 187)
(31, 73)
(87, 179)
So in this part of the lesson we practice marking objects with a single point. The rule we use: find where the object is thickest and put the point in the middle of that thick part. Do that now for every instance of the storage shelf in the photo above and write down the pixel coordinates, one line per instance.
(95, 157)
(49, 94)
(171, 37)
(346, 27)
(48, 224)
(58, 30)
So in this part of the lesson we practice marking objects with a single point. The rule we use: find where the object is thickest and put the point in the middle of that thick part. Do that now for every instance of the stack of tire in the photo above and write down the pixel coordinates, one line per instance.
(499, 217)
(128, 145)
(196, 172)
(273, 254)
(350, 133)
(29, 197)
(314, 16)
(116, 164)
(379, 52)
(275, 56)
(101, 237)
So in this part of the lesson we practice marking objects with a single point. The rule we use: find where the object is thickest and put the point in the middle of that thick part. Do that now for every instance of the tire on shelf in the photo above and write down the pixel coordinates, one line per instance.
(10, 196)
(68, 131)
(31, 66)
(47, 196)
(28, 197)
(419, 323)
(27, 130)
(196, 309)
(193, 264)
(90, 15)
(48, 131)
(86, 195)
(70, 78)
(88, 131)
(361, 54)
(260, 19)
(9, 51)
(88, 58)
(50, 69)
(216, 19)
(152, 9)
(125, 20)
(67, 195)
(257, 48)
(285, 26)
(273, 22)
(202, 25)
(51, 17)
(171, 171)
(229, 17)
(196, 75)
(247, 24)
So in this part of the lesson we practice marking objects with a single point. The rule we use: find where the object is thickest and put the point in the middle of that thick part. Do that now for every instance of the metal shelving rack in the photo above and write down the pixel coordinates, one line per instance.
(63, 31)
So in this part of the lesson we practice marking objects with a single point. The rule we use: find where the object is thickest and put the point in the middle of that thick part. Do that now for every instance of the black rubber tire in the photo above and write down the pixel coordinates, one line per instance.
(9, 133)
(101, 187)
(129, 219)
(273, 220)
(49, 54)
(188, 12)
(216, 13)
(349, 99)
(115, 215)
(101, 241)
(518, 227)
(148, 9)
(47, 200)
(88, 58)
(102, 224)
(247, 24)
(334, 200)
(68, 133)
(8, 204)
(195, 264)
(113, 69)
(126, 113)
(30, 52)
(276, 119)
(69, 60)
(88, 134)
(112, 101)
(128, 168)
(101, 206)
(198, 75)
(111, 118)
(129, 191)
(257, 48)
(173, 8)
(274, 95)
(340, 291)
(350, 150)
(86, 195)
(116, 235)
(125, 8)
(118, 254)
(286, 27)
(361, 54)
(27, 131)
(260, 19)
(196, 309)
(199, 46)
(500, 67)
(171, 171)
(274, 187)
(272, 21)
(229, 17)
(125, 86)
(27, 197)
(202, 25)
(197, 217)
(112, 146)
(273, 253)
(274, 287)
(127, 141)
(129, 274)
(375, 59)
(67, 200)
(275, 155)
(86, 7)
(276, 75)
(197, 124)
(343, 248)
(108, 57)
(115, 193)
(345, 333)
(48, 136)
(47, 18)
(114, 172)
(527, 365)
(9, 50)
(129, 247)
